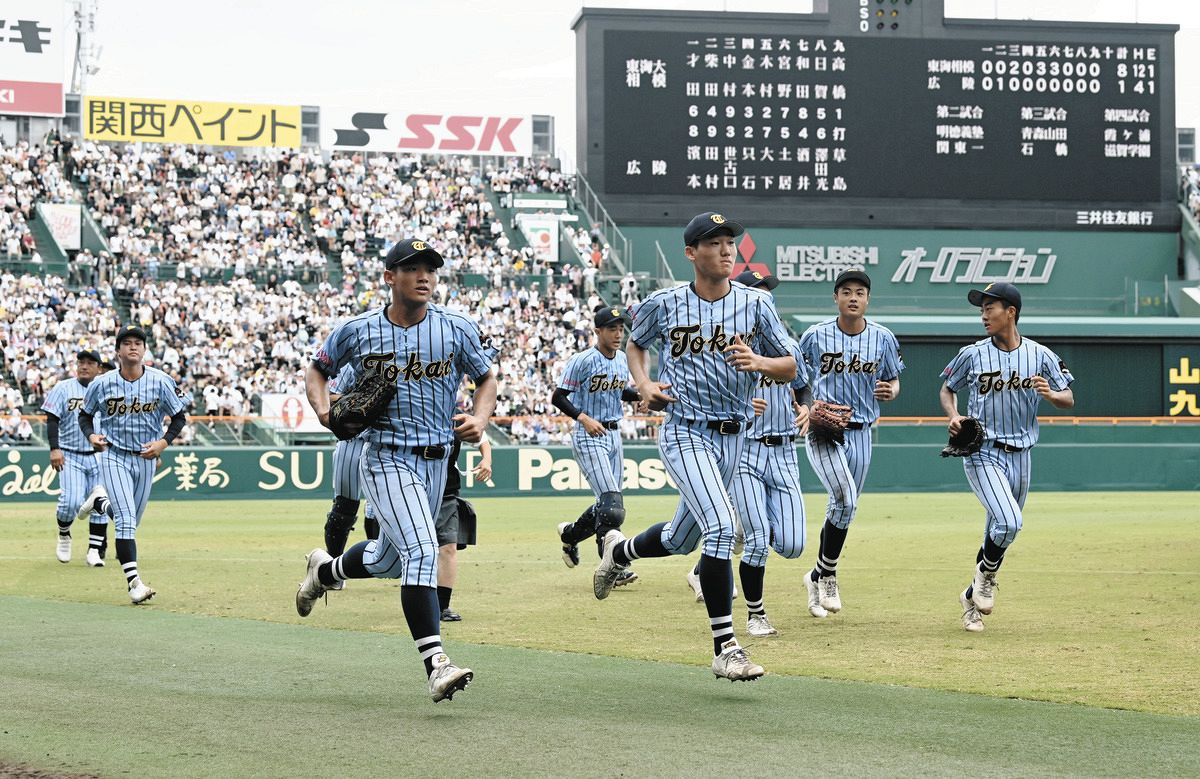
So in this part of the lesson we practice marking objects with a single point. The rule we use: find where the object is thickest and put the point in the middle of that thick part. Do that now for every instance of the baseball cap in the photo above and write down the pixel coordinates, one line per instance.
(1000, 290)
(89, 354)
(752, 278)
(108, 365)
(707, 224)
(606, 315)
(130, 331)
(847, 276)
(410, 250)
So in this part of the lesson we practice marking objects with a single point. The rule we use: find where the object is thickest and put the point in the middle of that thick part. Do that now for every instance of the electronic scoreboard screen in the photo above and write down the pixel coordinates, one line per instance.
(1002, 118)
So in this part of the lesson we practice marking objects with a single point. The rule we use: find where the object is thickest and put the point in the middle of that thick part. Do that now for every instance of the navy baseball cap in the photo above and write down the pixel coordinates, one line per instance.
(707, 224)
(89, 354)
(108, 365)
(752, 278)
(130, 331)
(411, 250)
(610, 315)
(1000, 290)
(847, 276)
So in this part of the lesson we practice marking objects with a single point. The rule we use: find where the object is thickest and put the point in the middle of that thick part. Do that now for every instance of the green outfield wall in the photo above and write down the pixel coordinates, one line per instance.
(1070, 457)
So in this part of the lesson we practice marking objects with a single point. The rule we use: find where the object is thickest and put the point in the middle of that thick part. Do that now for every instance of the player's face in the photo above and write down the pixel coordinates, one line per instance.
(412, 283)
(608, 339)
(131, 350)
(852, 300)
(86, 370)
(996, 316)
(713, 257)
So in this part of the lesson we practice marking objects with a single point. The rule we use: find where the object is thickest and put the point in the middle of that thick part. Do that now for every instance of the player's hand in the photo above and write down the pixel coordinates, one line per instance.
(57, 460)
(98, 442)
(152, 450)
(654, 395)
(469, 428)
(741, 356)
(1042, 386)
(591, 426)
(801, 418)
(955, 424)
(483, 471)
(884, 390)
(760, 406)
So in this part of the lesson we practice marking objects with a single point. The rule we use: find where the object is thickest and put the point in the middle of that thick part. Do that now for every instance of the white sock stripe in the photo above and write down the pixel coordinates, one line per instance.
(718, 620)
(436, 638)
(723, 634)
(129, 566)
(629, 551)
(752, 605)
(336, 569)
(428, 653)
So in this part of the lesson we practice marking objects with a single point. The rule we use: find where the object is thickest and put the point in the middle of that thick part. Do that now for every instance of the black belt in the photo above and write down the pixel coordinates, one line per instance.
(610, 425)
(776, 440)
(81, 451)
(1007, 447)
(857, 425)
(124, 451)
(725, 426)
(434, 452)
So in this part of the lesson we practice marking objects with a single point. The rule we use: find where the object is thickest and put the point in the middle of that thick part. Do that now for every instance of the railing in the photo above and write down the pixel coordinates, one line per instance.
(662, 268)
(620, 249)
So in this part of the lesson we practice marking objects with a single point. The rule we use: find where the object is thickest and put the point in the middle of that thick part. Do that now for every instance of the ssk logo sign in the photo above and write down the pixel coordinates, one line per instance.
(430, 132)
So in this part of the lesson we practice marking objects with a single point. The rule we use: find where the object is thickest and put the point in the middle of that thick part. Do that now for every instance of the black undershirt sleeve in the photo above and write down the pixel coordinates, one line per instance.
(564, 404)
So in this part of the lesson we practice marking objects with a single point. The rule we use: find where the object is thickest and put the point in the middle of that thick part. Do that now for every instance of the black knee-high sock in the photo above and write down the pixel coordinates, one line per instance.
(752, 586)
(127, 555)
(832, 540)
(716, 582)
(64, 531)
(648, 543)
(444, 594)
(371, 526)
(346, 566)
(423, 616)
(97, 535)
(990, 556)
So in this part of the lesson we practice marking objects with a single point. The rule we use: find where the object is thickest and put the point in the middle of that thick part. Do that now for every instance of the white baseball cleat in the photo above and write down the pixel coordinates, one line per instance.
(972, 621)
(983, 590)
(814, 597)
(94, 560)
(607, 572)
(827, 586)
(63, 550)
(139, 591)
(447, 678)
(311, 588)
(89, 503)
(759, 625)
(570, 552)
(693, 580)
(734, 664)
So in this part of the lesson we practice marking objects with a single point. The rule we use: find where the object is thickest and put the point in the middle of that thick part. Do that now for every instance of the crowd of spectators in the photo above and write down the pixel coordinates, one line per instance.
(1190, 189)
(28, 175)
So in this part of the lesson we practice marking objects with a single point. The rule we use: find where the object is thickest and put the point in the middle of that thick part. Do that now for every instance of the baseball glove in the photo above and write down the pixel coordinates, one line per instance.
(827, 421)
(360, 405)
(968, 440)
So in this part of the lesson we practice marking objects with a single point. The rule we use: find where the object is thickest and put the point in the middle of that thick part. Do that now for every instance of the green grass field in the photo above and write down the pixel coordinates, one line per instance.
(1089, 665)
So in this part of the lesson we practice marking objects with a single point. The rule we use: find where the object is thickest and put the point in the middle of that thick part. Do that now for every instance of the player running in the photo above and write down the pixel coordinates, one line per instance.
(717, 339)
(1007, 375)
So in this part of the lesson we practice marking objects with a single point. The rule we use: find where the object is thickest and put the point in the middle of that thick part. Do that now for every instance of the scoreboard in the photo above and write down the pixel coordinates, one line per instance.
(828, 119)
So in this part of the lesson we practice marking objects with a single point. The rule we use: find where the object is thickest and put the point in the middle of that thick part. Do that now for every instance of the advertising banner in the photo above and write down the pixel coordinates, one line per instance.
(542, 234)
(291, 413)
(65, 222)
(190, 121)
(458, 133)
(33, 39)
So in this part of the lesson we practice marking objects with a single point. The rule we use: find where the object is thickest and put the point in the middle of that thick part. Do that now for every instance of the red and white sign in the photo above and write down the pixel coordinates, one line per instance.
(291, 413)
(33, 36)
(429, 133)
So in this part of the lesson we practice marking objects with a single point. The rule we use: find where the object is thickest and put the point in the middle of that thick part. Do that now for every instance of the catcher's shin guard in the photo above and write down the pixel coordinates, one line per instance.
(338, 524)
(609, 512)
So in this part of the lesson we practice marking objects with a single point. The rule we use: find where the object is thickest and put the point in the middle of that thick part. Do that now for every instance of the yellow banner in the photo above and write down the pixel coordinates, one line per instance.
(189, 121)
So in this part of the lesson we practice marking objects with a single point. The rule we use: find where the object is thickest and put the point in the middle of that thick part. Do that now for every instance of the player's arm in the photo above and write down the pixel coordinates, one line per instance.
(1063, 398)
(803, 403)
(949, 400)
(483, 469)
(561, 400)
(316, 388)
(639, 370)
(470, 427)
(87, 425)
(887, 390)
(57, 459)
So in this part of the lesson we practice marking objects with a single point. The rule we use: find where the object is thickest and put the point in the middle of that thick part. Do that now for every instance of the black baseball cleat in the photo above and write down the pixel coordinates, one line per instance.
(570, 552)
(450, 616)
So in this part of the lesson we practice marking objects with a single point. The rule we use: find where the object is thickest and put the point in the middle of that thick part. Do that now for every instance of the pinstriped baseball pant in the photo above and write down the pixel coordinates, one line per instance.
(1001, 482)
(702, 463)
(766, 493)
(843, 471)
(77, 478)
(403, 487)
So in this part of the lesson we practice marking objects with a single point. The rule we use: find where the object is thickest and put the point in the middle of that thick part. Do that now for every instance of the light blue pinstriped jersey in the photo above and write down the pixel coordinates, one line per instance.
(427, 362)
(779, 418)
(595, 383)
(692, 332)
(131, 412)
(64, 402)
(1001, 394)
(344, 380)
(843, 368)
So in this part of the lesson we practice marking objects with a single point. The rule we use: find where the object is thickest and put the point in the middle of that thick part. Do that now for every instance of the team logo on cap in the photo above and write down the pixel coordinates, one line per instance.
(420, 246)
(758, 275)
(616, 312)
(717, 219)
(989, 286)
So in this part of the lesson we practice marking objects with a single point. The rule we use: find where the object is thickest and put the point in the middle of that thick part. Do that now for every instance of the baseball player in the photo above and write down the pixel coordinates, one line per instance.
(425, 349)
(855, 362)
(1007, 375)
(347, 494)
(447, 528)
(75, 460)
(599, 380)
(708, 332)
(129, 404)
